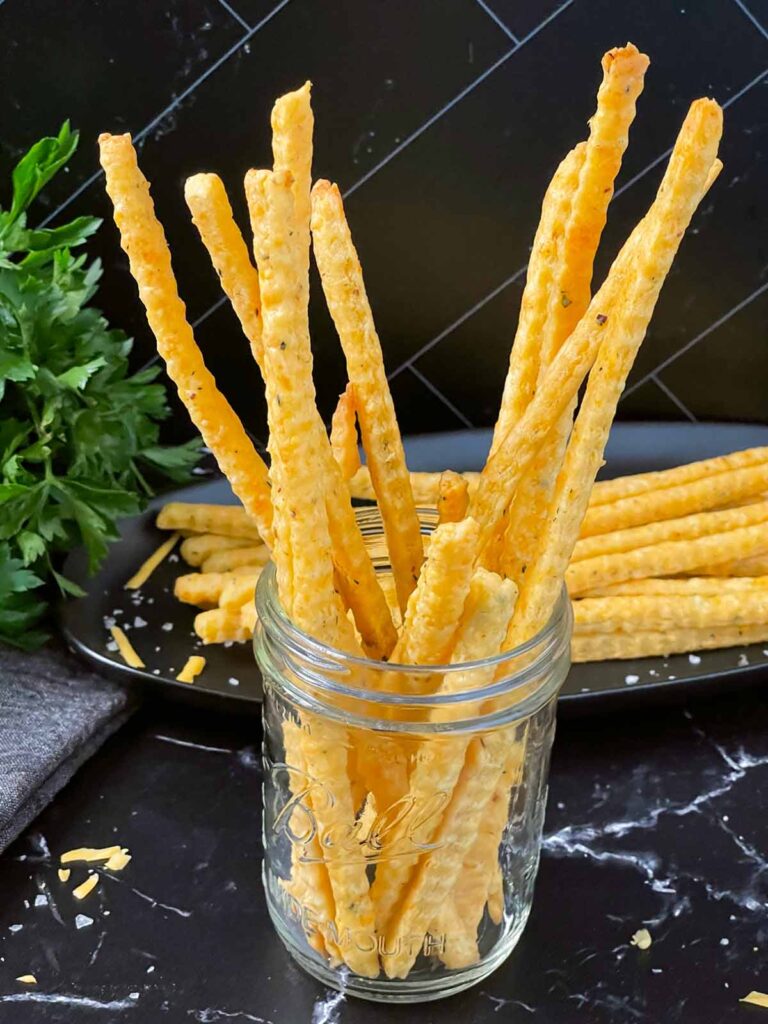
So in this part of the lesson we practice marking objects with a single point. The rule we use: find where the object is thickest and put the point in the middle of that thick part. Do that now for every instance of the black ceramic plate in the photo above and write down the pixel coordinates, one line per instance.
(161, 629)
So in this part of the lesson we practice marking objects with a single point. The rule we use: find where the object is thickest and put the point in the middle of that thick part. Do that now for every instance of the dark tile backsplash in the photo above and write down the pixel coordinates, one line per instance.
(442, 121)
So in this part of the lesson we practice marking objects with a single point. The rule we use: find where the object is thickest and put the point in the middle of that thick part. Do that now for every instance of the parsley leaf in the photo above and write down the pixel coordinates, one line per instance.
(79, 433)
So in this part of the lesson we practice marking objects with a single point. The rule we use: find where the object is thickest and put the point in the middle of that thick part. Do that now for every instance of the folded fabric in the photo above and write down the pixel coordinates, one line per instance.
(54, 714)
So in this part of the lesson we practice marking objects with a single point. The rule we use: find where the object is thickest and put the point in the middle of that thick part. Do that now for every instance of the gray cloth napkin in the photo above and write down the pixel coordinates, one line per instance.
(54, 714)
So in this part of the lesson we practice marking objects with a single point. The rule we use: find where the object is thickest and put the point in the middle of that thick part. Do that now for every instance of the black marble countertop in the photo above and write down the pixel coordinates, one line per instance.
(656, 819)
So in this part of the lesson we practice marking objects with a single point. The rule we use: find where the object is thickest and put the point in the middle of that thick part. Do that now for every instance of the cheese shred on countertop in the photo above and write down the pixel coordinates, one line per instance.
(27, 979)
(64, 874)
(141, 576)
(193, 667)
(126, 648)
(756, 999)
(85, 887)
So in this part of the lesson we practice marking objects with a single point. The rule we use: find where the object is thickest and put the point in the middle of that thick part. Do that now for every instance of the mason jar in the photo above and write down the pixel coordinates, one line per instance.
(402, 830)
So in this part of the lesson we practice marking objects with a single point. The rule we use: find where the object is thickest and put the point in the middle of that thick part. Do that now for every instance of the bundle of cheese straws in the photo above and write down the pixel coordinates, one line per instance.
(501, 552)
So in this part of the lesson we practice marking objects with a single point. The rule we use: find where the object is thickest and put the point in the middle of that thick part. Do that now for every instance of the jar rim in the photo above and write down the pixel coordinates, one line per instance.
(544, 645)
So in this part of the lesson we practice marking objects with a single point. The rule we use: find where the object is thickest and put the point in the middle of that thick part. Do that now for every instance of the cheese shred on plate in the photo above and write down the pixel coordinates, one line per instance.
(126, 648)
(192, 668)
(141, 576)
(89, 853)
(756, 999)
(118, 860)
(85, 887)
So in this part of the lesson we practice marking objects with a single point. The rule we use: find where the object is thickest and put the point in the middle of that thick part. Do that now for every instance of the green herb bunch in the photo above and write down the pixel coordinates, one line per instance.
(78, 433)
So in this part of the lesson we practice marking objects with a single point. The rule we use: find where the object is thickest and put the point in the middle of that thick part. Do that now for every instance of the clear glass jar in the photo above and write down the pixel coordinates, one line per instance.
(402, 832)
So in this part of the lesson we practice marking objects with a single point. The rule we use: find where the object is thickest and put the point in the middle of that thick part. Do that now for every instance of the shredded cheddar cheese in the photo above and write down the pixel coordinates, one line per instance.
(64, 874)
(85, 887)
(27, 979)
(642, 939)
(143, 573)
(126, 648)
(89, 853)
(193, 667)
(118, 860)
(756, 999)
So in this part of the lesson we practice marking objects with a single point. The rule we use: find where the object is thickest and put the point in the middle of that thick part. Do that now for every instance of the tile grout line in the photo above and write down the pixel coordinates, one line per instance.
(699, 337)
(755, 21)
(140, 135)
(230, 10)
(429, 122)
(408, 363)
(439, 394)
(452, 103)
(673, 397)
(495, 18)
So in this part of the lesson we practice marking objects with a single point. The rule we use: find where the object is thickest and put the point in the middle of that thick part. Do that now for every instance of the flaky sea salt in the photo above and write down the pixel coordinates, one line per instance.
(694, 659)
(631, 679)
(83, 921)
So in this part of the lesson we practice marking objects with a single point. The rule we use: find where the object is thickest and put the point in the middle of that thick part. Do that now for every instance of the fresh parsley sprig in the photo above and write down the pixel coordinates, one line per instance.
(79, 434)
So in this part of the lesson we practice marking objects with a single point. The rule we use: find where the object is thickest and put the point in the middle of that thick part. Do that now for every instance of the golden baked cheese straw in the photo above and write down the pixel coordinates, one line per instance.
(662, 611)
(344, 434)
(728, 488)
(623, 77)
(212, 216)
(200, 588)
(617, 316)
(524, 359)
(669, 558)
(435, 607)
(649, 643)
(436, 875)
(756, 565)
(226, 520)
(606, 491)
(453, 497)
(195, 550)
(687, 178)
(239, 591)
(292, 147)
(685, 528)
(344, 289)
(292, 129)
(684, 586)
(315, 607)
(309, 884)
(487, 613)
(623, 74)
(226, 625)
(425, 486)
(235, 558)
(432, 617)
(143, 239)
(468, 899)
